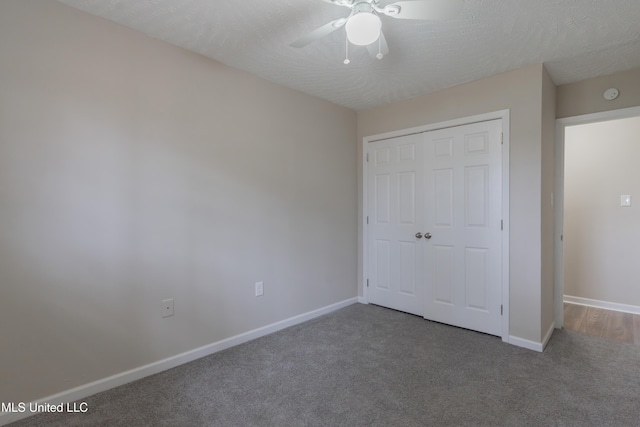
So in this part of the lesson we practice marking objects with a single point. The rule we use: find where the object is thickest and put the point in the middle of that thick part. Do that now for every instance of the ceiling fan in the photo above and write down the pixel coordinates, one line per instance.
(364, 27)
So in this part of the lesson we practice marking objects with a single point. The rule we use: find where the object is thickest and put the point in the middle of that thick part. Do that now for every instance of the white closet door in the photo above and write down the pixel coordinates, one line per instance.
(396, 213)
(463, 257)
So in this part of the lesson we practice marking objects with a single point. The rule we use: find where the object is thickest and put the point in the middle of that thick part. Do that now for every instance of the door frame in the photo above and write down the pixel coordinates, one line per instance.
(504, 116)
(561, 125)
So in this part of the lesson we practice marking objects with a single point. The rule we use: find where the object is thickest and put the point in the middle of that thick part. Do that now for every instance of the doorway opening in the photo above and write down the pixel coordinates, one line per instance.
(597, 225)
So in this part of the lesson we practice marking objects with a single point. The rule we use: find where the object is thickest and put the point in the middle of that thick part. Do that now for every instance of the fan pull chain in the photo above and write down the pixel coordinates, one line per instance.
(346, 59)
(379, 55)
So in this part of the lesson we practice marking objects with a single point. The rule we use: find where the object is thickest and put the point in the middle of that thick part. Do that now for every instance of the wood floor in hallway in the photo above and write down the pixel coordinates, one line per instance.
(608, 324)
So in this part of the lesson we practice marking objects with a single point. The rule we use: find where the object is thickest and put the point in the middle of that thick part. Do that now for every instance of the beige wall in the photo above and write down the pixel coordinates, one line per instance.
(132, 171)
(601, 238)
(585, 97)
(521, 92)
(547, 210)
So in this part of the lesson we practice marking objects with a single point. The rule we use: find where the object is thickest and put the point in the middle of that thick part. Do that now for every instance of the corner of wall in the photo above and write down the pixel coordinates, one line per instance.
(547, 227)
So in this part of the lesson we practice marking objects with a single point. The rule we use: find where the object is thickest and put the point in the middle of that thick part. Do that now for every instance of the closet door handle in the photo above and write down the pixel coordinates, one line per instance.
(419, 235)
(427, 236)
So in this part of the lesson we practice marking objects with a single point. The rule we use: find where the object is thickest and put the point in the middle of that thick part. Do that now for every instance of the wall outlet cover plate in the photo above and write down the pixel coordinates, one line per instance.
(167, 307)
(259, 289)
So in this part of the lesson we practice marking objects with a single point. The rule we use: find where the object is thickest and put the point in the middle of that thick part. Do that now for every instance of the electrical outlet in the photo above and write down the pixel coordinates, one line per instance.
(167, 307)
(259, 288)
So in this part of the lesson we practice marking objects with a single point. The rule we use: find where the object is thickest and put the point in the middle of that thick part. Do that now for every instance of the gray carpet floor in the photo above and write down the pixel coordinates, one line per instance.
(369, 366)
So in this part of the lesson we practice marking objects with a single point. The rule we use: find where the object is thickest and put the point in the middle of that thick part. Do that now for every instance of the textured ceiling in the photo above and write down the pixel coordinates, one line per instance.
(576, 39)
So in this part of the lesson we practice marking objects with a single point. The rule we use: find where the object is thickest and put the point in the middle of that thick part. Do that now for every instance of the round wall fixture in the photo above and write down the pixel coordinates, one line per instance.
(611, 94)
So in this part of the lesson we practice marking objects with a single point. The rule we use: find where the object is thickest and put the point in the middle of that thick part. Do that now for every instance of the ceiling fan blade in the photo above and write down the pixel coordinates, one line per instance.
(345, 3)
(318, 33)
(379, 46)
(424, 9)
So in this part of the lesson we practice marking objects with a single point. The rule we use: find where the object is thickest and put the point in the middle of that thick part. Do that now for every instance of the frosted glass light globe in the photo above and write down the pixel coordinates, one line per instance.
(363, 28)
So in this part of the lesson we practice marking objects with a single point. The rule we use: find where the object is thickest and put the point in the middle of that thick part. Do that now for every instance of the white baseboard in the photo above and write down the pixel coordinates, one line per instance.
(122, 378)
(532, 345)
(625, 308)
(362, 300)
(528, 344)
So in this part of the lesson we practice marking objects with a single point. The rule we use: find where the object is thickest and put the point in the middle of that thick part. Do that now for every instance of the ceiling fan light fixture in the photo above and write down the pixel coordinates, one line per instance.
(363, 28)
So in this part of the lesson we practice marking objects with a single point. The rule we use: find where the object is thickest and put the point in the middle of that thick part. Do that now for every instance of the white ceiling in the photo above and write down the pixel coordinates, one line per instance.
(576, 39)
